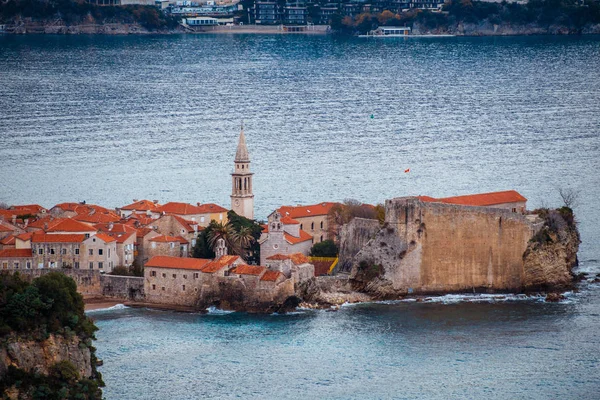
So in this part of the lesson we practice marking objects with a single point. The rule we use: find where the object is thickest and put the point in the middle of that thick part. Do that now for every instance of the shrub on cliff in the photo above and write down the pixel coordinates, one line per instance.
(49, 304)
(326, 248)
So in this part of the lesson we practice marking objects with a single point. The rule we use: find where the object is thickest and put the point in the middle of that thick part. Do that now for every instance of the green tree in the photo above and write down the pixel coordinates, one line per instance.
(326, 248)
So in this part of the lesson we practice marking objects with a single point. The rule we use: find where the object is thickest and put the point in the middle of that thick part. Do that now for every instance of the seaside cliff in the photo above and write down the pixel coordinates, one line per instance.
(434, 248)
(45, 340)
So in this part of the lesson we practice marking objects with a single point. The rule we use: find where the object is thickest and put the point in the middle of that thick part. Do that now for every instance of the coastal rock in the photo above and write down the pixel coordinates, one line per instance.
(327, 291)
(554, 297)
(32, 356)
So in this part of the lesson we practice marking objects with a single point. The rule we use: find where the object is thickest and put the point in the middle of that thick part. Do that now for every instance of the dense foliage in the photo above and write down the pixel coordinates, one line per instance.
(542, 13)
(62, 383)
(73, 12)
(326, 248)
(237, 228)
(50, 304)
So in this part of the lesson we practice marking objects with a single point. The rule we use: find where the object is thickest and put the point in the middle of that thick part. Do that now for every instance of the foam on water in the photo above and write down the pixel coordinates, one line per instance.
(113, 308)
(212, 310)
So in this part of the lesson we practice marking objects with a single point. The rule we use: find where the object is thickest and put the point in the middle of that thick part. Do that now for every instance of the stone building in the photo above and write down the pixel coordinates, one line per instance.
(100, 253)
(201, 214)
(314, 219)
(282, 235)
(174, 225)
(163, 245)
(142, 242)
(296, 266)
(16, 259)
(507, 200)
(242, 197)
(125, 236)
(143, 207)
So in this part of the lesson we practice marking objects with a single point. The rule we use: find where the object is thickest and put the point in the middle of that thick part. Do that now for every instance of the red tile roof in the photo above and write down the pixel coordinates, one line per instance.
(141, 232)
(8, 241)
(141, 205)
(221, 262)
(211, 208)
(120, 237)
(81, 208)
(8, 214)
(180, 209)
(25, 236)
(28, 208)
(16, 253)
(185, 223)
(57, 238)
(271, 276)
(177, 262)
(279, 257)
(306, 211)
(5, 227)
(104, 237)
(116, 228)
(289, 221)
(482, 199)
(69, 225)
(299, 258)
(248, 270)
(168, 239)
(97, 218)
(294, 240)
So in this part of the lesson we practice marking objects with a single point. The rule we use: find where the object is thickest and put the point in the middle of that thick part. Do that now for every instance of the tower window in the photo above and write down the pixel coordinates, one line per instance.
(242, 167)
(312, 226)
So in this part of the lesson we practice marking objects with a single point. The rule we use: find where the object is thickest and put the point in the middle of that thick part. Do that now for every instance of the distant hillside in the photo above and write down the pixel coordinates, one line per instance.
(482, 18)
(69, 13)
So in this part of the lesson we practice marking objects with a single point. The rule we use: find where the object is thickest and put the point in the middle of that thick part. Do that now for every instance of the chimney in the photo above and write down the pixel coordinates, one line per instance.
(136, 223)
(14, 220)
(155, 201)
(45, 226)
(25, 221)
(198, 204)
(110, 226)
(135, 200)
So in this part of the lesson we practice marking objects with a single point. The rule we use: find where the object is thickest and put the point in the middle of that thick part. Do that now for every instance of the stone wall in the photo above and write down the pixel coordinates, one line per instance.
(353, 236)
(437, 248)
(92, 284)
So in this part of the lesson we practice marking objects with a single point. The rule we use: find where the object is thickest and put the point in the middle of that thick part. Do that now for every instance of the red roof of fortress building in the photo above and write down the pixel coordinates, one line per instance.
(289, 221)
(306, 211)
(28, 208)
(9, 240)
(168, 239)
(293, 240)
(57, 238)
(177, 262)
(248, 270)
(271, 276)
(141, 205)
(16, 253)
(223, 261)
(482, 199)
(106, 238)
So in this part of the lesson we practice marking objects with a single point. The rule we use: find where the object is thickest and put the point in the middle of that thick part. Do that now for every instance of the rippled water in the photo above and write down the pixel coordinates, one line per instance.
(109, 119)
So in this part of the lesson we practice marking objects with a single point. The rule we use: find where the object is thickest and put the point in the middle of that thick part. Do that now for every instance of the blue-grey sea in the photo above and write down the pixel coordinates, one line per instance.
(110, 119)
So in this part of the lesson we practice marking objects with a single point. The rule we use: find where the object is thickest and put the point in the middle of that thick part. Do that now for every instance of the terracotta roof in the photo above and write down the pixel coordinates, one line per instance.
(248, 270)
(57, 238)
(279, 257)
(141, 219)
(97, 218)
(120, 237)
(221, 262)
(271, 276)
(141, 205)
(186, 224)
(116, 228)
(28, 208)
(5, 227)
(306, 211)
(293, 240)
(177, 262)
(289, 221)
(16, 253)
(8, 241)
(104, 237)
(8, 214)
(482, 199)
(40, 222)
(168, 239)
(25, 236)
(81, 208)
(179, 208)
(69, 225)
(141, 232)
(211, 208)
(299, 258)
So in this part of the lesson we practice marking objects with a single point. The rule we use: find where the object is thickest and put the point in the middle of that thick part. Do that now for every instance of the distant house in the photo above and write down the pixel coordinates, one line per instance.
(509, 200)
(174, 225)
(283, 235)
(143, 207)
(296, 266)
(314, 219)
(16, 259)
(200, 213)
(164, 245)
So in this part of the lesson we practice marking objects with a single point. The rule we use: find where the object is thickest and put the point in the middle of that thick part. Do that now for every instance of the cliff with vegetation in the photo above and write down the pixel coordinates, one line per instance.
(73, 17)
(477, 18)
(434, 248)
(46, 347)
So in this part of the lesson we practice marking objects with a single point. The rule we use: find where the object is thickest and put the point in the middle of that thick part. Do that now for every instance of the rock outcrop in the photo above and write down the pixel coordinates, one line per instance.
(38, 357)
(444, 248)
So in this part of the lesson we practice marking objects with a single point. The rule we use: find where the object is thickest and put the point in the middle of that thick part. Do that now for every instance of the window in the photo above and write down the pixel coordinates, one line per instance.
(321, 238)
(87, 235)
(183, 287)
(40, 251)
(163, 288)
(91, 265)
(153, 245)
(196, 275)
(321, 224)
(100, 265)
(76, 252)
(16, 265)
(300, 226)
(172, 245)
(108, 253)
(201, 219)
(28, 265)
(52, 251)
(153, 273)
(185, 277)
(174, 276)
(153, 287)
(76, 264)
(514, 210)
(100, 252)
(312, 226)
(164, 275)
(63, 251)
(91, 252)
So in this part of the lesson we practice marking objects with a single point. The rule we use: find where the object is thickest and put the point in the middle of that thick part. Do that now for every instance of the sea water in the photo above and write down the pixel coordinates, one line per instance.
(109, 119)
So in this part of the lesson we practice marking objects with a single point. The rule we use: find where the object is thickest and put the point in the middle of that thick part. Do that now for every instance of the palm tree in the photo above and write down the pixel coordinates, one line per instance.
(243, 239)
(224, 231)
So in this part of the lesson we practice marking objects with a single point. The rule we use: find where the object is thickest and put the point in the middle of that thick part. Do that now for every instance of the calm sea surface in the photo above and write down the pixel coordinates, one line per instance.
(110, 119)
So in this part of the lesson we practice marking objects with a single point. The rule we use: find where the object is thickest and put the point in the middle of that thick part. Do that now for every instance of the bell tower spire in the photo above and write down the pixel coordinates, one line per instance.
(242, 197)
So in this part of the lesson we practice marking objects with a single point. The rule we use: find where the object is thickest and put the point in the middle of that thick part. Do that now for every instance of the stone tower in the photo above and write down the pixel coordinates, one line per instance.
(242, 199)
(221, 249)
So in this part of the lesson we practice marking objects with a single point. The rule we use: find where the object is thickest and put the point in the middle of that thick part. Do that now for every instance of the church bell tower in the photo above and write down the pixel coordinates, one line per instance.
(242, 199)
